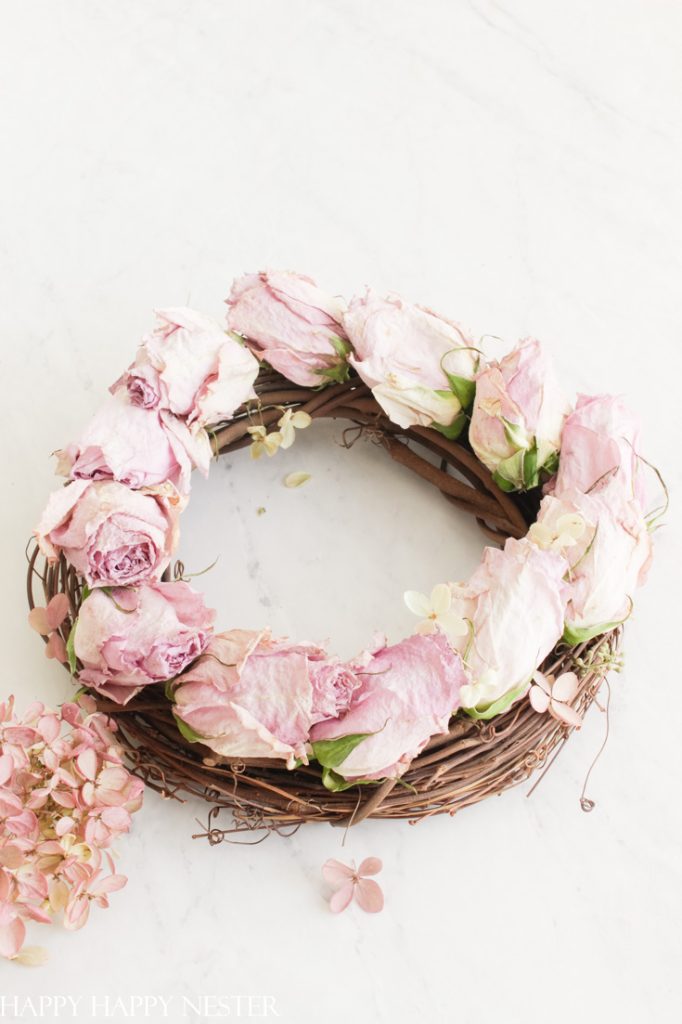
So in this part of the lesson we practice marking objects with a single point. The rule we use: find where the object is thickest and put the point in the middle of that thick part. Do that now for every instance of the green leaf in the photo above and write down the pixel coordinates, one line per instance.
(463, 388)
(169, 690)
(454, 429)
(186, 731)
(70, 649)
(498, 706)
(85, 592)
(337, 784)
(332, 753)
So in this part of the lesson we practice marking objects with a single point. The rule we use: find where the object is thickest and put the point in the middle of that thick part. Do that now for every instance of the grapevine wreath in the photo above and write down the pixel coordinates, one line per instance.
(500, 668)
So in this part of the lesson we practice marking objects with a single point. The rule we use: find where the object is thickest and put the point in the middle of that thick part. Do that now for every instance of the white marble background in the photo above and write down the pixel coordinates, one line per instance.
(516, 166)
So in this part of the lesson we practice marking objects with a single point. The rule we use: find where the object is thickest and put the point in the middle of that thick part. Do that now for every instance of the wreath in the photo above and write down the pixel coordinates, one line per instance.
(500, 668)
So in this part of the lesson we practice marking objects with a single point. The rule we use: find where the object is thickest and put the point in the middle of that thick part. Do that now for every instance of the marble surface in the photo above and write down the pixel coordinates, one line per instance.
(515, 165)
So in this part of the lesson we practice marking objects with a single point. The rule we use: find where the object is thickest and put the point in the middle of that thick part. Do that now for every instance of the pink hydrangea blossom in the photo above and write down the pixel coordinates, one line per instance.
(128, 639)
(65, 798)
(113, 536)
(349, 882)
(292, 324)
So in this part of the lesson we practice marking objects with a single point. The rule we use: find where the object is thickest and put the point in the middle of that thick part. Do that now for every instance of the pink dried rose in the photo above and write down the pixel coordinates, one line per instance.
(192, 367)
(419, 366)
(65, 797)
(47, 622)
(407, 695)
(254, 696)
(128, 639)
(113, 536)
(518, 416)
(333, 684)
(556, 696)
(514, 603)
(349, 882)
(136, 446)
(600, 438)
(292, 324)
(608, 560)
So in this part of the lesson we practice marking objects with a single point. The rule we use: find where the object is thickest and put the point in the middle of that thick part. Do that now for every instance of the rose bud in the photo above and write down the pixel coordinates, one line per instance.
(292, 324)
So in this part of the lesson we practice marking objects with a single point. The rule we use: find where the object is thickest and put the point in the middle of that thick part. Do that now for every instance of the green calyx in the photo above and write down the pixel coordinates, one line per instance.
(463, 388)
(338, 373)
(452, 430)
(574, 635)
(498, 706)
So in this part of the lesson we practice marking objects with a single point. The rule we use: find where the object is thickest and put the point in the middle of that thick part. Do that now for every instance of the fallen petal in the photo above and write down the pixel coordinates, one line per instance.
(32, 956)
(369, 896)
(296, 479)
(342, 898)
(336, 874)
(370, 866)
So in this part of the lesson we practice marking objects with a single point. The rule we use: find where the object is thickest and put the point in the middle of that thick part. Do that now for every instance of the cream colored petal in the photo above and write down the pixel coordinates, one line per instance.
(441, 598)
(287, 433)
(452, 624)
(296, 479)
(426, 627)
(418, 604)
(301, 419)
(541, 535)
(571, 524)
(272, 442)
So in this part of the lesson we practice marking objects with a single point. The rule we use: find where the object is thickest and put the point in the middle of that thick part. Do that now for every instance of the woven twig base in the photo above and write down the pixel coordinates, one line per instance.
(474, 760)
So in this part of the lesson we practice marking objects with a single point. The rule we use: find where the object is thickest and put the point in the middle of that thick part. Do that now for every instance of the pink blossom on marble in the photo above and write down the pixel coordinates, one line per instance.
(349, 882)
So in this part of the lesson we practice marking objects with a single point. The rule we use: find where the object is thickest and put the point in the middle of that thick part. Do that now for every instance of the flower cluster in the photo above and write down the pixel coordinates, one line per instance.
(479, 643)
(65, 797)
